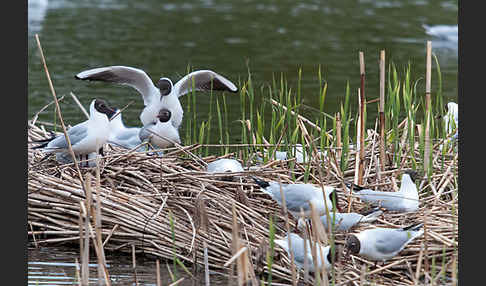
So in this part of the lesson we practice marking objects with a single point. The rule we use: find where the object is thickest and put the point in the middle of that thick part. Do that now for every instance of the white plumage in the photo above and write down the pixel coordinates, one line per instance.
(298, 250)
(380, 244)
(164, 95)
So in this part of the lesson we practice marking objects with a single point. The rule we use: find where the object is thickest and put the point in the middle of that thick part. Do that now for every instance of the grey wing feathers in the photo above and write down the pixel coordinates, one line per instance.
(203, 80)
(296, 196)
(393, 241)
(75, 133)
(133, 77)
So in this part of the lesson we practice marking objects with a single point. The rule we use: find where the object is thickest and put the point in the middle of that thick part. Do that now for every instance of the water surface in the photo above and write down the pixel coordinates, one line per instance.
(270, 38)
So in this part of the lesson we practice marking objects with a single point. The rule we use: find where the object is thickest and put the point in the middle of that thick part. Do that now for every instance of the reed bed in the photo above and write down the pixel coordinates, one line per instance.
(139, 193)
(170, 207)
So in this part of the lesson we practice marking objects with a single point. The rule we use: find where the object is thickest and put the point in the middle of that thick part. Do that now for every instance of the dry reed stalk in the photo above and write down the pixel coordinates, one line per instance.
(85, 254)
(86, 114)
(36, 115)
(58, 109)
(177, 282)
(137, 191)
(338, 135)
(382, 111)
(206, 264)
(428, 105)
(157, 271)
(134, 265)
(102, 271)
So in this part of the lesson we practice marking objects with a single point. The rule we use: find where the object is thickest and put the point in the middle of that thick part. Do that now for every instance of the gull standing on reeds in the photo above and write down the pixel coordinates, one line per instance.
(163, 95)
(380, 244)
(345, 221)
(162, 133)
(405, 200)
(120, 135)
(299, 196)
(85, 137)
(298, 250)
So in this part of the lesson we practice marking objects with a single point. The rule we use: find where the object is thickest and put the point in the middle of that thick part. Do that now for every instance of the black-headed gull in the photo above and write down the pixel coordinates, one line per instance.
(163, 95)
(85, 137)
(405, 200)
(224, 165)
(120, 135)
(299, 196)
(345, 221)
(381, 244)
(298, 250)
(161, 134)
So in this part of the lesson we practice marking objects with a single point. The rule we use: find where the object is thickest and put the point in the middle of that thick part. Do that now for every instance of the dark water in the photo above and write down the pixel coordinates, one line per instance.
(273, 37)
(268, 37)
(56, 266)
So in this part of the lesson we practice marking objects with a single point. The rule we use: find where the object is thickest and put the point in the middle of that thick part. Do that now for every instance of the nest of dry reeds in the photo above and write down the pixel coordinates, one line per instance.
(171, 207)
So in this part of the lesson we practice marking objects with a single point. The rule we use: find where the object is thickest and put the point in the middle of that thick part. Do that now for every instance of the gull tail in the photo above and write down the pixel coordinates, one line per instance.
(372, 215)
(44, 143)
(414, 230)
(354, 186)
(263, 184)
(414, 227)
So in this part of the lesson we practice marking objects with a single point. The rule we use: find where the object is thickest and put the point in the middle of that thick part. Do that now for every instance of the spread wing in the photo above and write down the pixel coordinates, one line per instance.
(201, 81)
(133, 77)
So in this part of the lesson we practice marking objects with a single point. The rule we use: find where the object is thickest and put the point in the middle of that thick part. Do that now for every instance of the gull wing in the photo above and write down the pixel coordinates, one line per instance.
(201, 81)
(133, 77)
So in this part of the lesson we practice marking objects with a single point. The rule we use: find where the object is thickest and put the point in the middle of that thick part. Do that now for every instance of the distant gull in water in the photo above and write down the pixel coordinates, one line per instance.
(163, 95)
(443, 32)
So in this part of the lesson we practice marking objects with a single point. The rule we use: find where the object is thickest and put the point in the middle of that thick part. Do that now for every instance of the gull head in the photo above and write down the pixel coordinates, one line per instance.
(102, 107)
(414, 175)
(165, 86)
(164, 115)
(352, 244)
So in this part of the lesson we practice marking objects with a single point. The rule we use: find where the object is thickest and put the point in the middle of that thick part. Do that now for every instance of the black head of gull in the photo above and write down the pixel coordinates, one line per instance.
(164, 115)
(101, 106)
(414, 175)
(353, 244)
(165, 86)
